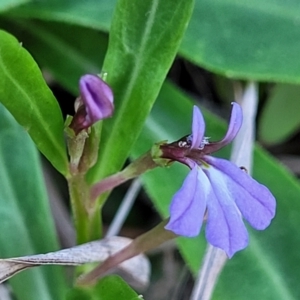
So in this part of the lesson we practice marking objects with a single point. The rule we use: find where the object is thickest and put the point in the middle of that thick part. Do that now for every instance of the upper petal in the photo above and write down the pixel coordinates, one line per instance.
(198, 128)
(225, 228)
(189, 203)
(254, 200)
(235, 124)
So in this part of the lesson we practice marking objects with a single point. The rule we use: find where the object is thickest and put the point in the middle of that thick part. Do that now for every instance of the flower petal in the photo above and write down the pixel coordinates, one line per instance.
(97, 97)
(198, 128)
(235, 124)
(253, 199)
(189, 204)
(225, 228)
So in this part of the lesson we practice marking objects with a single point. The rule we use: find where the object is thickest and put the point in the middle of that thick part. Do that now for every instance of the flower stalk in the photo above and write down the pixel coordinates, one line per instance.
(136, 168)
(145, 242)
(79, 193)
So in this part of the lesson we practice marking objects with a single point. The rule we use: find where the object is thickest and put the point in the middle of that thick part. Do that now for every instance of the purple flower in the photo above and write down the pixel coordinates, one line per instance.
(94, 104)
(218, 188)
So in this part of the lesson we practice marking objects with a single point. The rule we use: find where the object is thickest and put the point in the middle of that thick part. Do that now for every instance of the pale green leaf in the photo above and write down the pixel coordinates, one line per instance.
(89, 13)
(26, 223)
(256, 40)
(9, 4)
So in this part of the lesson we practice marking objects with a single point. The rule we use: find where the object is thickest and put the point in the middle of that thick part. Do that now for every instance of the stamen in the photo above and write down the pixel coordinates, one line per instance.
(182, 144)
(204, 142)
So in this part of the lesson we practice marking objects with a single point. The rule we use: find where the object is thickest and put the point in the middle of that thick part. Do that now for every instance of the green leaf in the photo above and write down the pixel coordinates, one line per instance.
(108, 288)
(9, 4)
(25, 94)
(256, 40)
(137, 66)
(218, 38)
(114, 287)
(89, 13)
(280, 117)
(79, 294)
(66, 51)
(267, 269)
(26, 222)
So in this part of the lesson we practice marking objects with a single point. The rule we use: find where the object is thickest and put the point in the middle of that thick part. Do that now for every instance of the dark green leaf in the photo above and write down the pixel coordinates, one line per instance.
(280, 117)
(256, 40)
(66, 51)
(25, 94)
(26, 223)
(268, 268)
(143, 42)
(89, 13)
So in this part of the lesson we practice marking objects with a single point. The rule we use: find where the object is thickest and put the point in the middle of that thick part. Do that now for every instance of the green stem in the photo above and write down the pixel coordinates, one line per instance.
(87, 226)
(83, 151)
(95, 220)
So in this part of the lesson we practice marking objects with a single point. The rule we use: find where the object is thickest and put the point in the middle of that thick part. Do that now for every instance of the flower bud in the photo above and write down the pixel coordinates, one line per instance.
(95, 102)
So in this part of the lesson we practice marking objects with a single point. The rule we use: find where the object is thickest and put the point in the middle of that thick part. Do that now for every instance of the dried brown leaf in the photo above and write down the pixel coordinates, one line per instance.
(137, 268)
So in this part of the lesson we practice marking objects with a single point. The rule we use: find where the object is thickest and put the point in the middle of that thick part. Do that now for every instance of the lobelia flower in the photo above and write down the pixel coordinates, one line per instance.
(94, 104)
(217, 186)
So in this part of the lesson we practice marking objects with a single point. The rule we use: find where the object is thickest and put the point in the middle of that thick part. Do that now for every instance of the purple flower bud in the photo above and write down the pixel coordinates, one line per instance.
(217, 186)
(94, 104)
